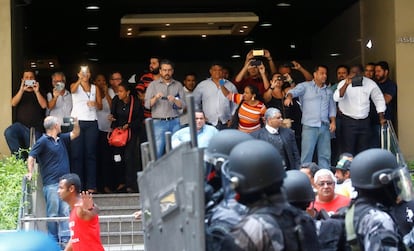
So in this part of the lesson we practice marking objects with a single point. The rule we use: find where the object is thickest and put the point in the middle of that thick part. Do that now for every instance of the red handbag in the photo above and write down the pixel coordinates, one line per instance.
(119, 137)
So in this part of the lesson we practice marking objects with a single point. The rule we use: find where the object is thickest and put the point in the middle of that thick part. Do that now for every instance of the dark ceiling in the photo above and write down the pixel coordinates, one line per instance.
(58, 29)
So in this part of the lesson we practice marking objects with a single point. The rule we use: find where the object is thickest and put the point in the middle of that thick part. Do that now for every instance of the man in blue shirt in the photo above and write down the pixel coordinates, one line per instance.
(51, 152)
(318, 116)
(204, 132)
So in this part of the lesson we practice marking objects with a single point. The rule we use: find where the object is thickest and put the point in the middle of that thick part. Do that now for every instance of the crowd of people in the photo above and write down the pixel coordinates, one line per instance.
(312, 126)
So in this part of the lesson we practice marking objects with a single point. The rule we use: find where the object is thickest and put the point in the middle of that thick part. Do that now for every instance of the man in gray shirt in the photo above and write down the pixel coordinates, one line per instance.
(211, 100)
(165, 98)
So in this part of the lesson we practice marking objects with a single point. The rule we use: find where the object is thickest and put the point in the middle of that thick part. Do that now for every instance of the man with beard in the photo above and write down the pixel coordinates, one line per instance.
(343, 176)
(389, 90)
(141, 84)
(164, 97)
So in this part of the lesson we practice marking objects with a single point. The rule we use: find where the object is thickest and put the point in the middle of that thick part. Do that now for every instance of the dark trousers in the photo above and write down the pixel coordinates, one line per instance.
(104, 163)
(355, 134)
(83, 154)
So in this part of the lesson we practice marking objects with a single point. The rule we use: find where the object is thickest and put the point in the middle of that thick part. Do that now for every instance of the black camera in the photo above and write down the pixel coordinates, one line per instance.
(256, 62)
(281, 78)
(67, 125)
(357, 81)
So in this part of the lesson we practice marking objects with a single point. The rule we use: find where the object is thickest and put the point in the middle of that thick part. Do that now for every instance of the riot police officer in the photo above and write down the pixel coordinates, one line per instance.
(256, 170)
(222, 210)
(380, 182)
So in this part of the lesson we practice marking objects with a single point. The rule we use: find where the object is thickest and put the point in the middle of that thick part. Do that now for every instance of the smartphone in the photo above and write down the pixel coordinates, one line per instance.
(29, 82)
(60, 86)
(84, 70)
(255, 62)
(258, 53)
(357, 81)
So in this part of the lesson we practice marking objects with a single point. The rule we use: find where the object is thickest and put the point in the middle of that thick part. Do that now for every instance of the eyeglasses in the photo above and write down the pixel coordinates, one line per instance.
(323, 183)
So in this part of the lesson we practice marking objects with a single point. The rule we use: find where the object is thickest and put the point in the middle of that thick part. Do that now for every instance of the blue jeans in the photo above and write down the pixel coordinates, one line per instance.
(18, 136)
(319, 137)
(83, 153)
(160, 128)
(55, 207)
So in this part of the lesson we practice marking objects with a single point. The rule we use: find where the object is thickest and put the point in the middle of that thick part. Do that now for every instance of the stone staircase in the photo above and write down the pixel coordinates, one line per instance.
(119, 229)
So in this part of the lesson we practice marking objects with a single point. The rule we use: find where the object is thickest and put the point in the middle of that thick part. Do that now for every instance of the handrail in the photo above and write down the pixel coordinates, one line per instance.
(389, 141)
(23, 202)
(26, 203)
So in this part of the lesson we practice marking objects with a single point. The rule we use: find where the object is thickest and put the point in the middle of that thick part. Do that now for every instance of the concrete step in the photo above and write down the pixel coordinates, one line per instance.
(123, 238)
(118, 210)
(115, 200)
(119, 225)
(125, 247)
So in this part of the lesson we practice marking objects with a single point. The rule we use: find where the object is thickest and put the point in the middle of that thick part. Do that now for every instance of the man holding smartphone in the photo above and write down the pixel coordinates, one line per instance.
(59, 100)
(30, 105)
(353, 95)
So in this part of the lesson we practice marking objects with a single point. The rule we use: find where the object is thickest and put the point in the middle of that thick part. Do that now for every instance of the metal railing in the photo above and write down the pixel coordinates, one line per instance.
(118, 232)
(26, 202)
(389, 141)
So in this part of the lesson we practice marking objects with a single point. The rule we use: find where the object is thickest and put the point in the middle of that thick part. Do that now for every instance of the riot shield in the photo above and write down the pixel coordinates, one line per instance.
(172, 200)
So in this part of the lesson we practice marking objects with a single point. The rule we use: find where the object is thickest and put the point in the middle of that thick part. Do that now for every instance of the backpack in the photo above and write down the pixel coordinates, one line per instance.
(298, 228)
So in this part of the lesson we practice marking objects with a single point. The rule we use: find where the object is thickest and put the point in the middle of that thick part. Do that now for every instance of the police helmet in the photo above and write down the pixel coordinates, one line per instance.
(377, 168)
(222, 143)
(298, 187)
(254, 166)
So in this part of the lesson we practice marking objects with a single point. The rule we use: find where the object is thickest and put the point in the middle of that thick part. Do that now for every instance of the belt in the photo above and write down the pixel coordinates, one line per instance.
(166, 119)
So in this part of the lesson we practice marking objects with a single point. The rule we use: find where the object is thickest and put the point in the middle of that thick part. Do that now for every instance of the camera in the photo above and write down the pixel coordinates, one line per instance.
(29, 82)
(60, 86)
(67, 124)
(288, 65)
(281, 78)
(357, 81)
(258, 53)
(256, 62)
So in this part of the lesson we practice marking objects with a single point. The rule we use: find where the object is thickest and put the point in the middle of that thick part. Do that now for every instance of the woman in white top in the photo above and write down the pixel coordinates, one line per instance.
(86, 101)
(104, 152)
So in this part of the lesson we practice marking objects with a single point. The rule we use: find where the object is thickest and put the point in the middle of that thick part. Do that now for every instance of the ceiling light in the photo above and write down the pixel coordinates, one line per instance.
(266, 24)
(92, 28)
(241, 31)
(93, 59)
(189, 24)
(249, 41)
(93, 7)
(129, 29)
(204, 36)
(236, 55)
(369, 44)
(283, 4)
(335, 54)
(129, 33)
(292, 46)
(91, 44)
(163, 36)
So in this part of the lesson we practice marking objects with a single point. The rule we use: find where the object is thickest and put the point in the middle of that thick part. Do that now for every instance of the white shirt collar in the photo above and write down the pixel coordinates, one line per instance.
(272, 130)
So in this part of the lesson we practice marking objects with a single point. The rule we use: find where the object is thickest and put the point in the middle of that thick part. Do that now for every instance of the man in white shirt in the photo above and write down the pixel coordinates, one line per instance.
(353, 96)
